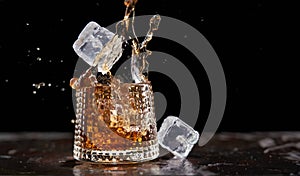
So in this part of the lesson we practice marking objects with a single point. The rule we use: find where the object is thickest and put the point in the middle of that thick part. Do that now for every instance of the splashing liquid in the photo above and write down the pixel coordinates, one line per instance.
(125, 32)
(139, 64)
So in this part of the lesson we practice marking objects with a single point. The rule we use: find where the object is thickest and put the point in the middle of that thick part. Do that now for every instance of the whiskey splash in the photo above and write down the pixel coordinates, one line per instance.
(139, 64)
(115, 121)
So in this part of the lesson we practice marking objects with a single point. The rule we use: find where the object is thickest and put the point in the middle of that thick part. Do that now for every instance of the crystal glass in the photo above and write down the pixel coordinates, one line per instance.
(115, 124)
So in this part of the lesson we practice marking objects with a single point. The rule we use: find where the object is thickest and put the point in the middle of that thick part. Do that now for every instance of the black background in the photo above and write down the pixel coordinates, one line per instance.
(256, 42)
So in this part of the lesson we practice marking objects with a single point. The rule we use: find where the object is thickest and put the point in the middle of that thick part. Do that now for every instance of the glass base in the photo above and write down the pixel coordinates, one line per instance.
(117, 157)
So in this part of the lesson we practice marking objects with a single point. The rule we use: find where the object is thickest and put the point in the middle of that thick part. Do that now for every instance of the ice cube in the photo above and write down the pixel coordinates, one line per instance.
(91, 46)
(91, 41)
(177, 137)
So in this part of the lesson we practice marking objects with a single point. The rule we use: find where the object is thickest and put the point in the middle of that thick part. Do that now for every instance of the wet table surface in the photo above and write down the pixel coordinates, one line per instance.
(256, 153)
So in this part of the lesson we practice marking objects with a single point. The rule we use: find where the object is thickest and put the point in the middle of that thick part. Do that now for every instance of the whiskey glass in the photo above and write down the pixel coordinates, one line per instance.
(115, 124)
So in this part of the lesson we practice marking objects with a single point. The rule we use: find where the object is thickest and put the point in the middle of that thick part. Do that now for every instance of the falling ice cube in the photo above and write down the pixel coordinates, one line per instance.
(91, 41)
(177, 137)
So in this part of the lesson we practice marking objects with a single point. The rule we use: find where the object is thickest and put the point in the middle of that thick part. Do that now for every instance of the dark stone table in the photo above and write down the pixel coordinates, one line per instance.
(256, 153)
